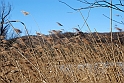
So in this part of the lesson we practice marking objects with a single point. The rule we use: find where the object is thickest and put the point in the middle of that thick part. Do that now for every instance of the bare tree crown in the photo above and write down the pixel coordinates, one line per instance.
(99, 3)
(4, 13)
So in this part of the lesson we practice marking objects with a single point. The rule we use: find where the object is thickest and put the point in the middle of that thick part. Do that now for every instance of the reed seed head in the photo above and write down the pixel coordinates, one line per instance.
(25, 13)
(39, 34)
(76, 29)
(59, 24)
(119, 29)
(56, 31)
(17, 30)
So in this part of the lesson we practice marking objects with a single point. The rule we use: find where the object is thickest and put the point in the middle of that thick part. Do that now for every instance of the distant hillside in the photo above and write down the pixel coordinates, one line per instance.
(118, 37)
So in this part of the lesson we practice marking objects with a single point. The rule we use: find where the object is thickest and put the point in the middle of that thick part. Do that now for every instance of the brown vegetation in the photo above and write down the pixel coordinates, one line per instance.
(63, 58)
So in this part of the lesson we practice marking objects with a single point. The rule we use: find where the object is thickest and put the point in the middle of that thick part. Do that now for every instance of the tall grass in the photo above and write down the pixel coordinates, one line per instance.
(62, 59)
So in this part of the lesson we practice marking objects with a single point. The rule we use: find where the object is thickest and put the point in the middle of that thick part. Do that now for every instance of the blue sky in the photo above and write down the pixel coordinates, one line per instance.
(45, 13)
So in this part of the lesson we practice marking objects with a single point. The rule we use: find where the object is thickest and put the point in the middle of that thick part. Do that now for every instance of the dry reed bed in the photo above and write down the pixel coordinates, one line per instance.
(62, 59)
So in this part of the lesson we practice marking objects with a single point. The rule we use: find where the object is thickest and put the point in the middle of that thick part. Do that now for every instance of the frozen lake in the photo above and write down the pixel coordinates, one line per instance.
(98, 67)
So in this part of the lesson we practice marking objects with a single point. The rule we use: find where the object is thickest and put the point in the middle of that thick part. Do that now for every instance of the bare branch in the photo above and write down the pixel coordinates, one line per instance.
(8, 12)
(113, 20)
(4, 13)
(97, 3)
(67, 5)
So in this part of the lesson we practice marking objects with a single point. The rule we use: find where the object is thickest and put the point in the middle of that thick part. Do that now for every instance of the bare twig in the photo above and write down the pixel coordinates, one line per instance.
(97, 3)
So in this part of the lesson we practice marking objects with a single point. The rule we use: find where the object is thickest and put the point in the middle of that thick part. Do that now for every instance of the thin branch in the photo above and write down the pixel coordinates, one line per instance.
(68, 5)
(113, 20)
(8, 12)
(96, 4)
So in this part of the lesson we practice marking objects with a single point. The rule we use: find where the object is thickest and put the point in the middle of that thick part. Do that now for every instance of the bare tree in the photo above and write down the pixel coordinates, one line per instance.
(5, 11)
